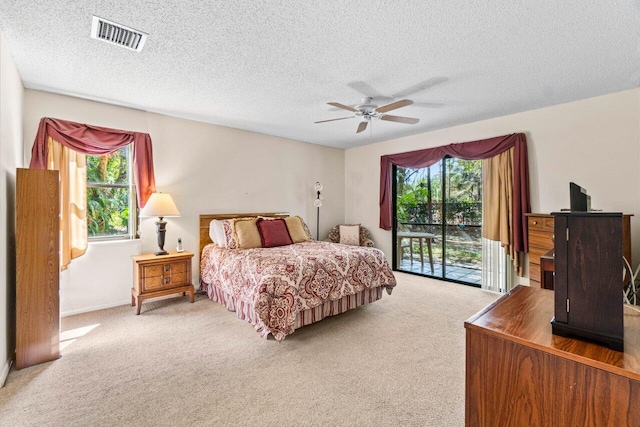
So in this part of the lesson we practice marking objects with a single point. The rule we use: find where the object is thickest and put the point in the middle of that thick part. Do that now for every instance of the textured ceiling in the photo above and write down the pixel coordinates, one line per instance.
(272, 66)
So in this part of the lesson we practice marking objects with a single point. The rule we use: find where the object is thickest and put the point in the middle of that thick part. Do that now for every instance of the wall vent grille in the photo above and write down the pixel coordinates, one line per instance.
(110, 32)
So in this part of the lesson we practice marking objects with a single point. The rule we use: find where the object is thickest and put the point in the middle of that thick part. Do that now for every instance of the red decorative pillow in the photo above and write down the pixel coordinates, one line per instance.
(273, 232)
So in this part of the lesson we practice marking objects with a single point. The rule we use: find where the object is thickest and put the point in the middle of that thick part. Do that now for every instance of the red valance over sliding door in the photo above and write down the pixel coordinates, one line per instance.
(473, 150)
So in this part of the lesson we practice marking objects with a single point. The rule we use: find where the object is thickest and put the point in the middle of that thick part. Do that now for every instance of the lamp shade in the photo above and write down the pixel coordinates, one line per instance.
(160, 204)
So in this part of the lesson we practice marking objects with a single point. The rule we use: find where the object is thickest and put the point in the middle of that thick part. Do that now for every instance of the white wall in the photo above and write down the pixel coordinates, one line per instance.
(593, 142)
(206, 169)
(11, 102)
(101, 278)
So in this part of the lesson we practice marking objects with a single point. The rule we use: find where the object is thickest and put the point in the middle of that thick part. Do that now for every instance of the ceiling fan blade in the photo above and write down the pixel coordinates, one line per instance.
(362, 126)
(399, 119)
(333, 120)
(419, 87)
(428, 104)
(366, 90)
(344, 107)
(394, 105)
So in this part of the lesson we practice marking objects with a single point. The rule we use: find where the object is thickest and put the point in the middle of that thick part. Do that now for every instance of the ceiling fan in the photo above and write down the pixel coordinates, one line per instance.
(368, 111)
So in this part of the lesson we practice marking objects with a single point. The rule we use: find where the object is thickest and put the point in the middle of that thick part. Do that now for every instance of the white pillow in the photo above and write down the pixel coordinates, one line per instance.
(350, 235)
(216, 233)
(212, 232)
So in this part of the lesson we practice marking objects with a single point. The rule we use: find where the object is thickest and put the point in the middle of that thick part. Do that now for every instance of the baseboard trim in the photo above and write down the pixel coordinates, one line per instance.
(95, 308)
(5, 372)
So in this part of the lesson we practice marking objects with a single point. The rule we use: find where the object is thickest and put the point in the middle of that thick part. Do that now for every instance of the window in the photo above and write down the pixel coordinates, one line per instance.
(111, 196)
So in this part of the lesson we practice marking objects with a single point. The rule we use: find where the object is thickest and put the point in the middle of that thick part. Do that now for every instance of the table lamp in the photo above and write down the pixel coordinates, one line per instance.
(160, 205)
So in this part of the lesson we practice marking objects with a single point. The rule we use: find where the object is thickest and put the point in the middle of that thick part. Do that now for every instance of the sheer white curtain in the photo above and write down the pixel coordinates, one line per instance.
(497, 268)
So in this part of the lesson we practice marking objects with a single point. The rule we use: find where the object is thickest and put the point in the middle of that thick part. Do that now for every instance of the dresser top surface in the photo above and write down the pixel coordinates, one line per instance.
(524, 315)
(548, 215)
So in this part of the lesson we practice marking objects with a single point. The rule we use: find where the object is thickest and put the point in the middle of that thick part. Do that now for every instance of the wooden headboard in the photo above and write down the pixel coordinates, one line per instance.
(205, 219)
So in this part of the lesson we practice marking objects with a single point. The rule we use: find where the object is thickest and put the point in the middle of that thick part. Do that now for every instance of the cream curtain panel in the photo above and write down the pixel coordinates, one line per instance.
(70, 143)
(72, 167)
(497, 203)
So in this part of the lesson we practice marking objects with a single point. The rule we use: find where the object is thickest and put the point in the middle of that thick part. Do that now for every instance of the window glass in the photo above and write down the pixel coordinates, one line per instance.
(111, 196)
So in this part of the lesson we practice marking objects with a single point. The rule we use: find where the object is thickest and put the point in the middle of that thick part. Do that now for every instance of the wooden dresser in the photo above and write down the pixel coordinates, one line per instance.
(541, 241)
(519, 374)
(37, 267)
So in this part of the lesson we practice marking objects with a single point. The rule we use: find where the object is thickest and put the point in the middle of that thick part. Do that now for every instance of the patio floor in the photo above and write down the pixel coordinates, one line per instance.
(463, 274)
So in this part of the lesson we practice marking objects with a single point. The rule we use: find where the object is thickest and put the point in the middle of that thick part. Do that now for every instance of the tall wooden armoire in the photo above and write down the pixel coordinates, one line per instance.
(588, 277)
(37, 267)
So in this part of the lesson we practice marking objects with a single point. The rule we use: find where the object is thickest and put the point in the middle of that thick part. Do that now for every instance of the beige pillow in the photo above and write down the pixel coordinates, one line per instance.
(247, 234)
(350, 235)
(295, 225)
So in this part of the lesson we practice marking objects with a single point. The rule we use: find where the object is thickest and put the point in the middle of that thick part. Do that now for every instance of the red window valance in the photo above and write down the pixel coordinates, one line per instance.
(473, 150)
(95, 140)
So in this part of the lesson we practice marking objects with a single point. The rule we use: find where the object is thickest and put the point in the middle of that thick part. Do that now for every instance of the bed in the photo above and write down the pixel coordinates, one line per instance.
(280, 289)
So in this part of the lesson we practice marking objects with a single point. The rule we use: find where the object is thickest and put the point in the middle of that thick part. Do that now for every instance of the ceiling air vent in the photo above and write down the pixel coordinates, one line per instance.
(117, 34)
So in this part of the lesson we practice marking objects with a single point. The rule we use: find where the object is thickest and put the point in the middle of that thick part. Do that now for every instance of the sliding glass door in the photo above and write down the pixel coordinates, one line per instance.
(438, 217)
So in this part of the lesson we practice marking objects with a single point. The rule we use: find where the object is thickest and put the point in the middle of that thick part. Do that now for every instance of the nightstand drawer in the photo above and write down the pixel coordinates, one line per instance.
(166, 280)
(177, 267)
(151, 271)
(164, 269)
(152, 283)
(177, 279)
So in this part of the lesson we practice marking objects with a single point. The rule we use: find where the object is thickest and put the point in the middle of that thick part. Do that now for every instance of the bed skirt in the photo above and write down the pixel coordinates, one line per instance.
(246, 312)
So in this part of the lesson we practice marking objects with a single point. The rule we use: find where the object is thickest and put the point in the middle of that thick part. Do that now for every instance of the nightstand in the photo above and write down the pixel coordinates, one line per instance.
(157, 276)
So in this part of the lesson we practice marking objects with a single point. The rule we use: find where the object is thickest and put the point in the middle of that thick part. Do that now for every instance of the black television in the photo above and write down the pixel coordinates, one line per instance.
(579, 199)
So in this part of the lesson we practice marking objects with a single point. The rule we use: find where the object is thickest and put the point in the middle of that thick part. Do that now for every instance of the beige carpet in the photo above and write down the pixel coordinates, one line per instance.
(399, 361)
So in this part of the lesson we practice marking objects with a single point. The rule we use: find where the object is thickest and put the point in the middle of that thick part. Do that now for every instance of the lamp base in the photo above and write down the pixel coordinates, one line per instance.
(161, 224)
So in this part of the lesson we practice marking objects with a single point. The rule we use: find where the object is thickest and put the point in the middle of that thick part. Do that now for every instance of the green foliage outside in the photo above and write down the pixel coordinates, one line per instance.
(419, 193)
(108, 207)
(419, 201)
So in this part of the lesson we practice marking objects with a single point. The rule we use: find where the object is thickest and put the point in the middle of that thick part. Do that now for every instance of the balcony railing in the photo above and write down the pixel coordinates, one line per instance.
(463, 230)
(467, 213)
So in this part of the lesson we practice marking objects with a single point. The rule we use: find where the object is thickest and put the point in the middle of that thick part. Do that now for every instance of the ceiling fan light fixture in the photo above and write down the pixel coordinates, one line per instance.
(367, 105)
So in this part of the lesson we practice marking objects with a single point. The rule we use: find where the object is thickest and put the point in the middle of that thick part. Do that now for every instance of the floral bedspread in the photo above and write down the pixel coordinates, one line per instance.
(282, 281)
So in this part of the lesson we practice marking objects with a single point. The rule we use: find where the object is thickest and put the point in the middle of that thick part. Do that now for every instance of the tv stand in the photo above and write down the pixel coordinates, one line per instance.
(588, 278)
